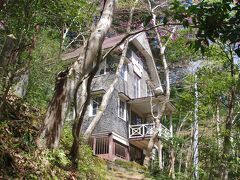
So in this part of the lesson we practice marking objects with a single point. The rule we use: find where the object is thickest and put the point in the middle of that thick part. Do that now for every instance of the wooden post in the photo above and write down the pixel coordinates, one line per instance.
(111, 152)
(127, 153)
(94, 145)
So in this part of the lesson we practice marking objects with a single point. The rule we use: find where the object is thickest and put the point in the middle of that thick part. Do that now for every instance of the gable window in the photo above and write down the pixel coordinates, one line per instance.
(122, 109)
(137, 64)
(95, 103)
(123, 72)
(103, 67)
(136, 86)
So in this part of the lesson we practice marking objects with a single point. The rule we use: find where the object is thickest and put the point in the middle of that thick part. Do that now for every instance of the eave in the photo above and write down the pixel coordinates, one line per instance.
(143, 105)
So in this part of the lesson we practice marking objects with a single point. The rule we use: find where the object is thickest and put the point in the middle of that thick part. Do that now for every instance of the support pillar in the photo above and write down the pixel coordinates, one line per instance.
(111, 152)
(94, 145)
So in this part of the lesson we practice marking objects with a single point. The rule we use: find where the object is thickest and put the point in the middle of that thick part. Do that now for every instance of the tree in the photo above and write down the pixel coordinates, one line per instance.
(21, 23)
(110, 90)
(69, 81)
(162, 107)
(220, 26)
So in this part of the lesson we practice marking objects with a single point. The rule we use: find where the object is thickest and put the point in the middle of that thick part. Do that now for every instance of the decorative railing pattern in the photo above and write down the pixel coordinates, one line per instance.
(146, 130)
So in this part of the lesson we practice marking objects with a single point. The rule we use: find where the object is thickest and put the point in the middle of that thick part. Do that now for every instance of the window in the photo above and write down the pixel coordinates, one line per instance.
(136, 86)
(120, 150)
(123, 72)
(137, 64)
(95, 102)
(103, 69)
(149, 91)
(102, 145)
(122, 109)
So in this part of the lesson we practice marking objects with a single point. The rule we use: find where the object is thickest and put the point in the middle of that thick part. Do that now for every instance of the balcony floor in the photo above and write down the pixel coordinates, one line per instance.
(141, 143)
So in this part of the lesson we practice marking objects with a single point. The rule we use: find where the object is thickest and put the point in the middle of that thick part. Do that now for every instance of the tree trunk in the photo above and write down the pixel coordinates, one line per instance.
(172, 155)
(162, 48)
(180, 159)
(50, 134)
(110, 90)
(80, 109)
(227, 136)
(160, 154)
(7, 49)
(195, 132)
(57, 109)
(224, 170)
(154, 137)
(189, 153)
(218, 125)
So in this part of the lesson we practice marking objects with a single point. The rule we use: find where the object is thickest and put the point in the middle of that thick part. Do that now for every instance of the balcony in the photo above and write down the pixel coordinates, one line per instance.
(146, 131)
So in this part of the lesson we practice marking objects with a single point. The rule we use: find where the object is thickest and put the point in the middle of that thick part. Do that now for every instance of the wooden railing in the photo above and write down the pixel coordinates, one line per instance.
(146, 130)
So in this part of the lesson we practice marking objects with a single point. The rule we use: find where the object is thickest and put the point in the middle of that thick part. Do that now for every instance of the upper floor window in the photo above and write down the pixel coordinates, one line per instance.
(95, 103)
(137, 64)
(122, 109)
(123, 72)
(149, 91)
(102, 68)
(136, 86)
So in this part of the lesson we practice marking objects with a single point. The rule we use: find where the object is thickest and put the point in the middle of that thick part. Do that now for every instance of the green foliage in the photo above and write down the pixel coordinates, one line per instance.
(214, 21)
(89, 166)
(19, 157)
(214, 81)
(128, 165)
(73, 13)
(156, 173)
(178, 50)
(44, 66)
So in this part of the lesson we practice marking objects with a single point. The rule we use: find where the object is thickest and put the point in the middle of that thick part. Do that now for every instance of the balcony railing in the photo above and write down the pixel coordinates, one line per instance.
(146, 130)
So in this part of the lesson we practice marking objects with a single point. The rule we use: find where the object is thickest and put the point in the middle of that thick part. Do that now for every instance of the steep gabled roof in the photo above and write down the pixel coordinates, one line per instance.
(107, 43)
(140, 41)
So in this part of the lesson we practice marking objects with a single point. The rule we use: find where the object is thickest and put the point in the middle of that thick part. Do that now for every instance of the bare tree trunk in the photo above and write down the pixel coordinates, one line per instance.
(167, 95)
(218, 125)
(224, 170)
(180, 159)
(154, 137)
(7, 49)
(50, 134)
(189, 153)
(172, 155)
(195, 131)
(110, 90)
(81, 109)
(162, 48)
(227, 136)
(57, 109)
(151, 142)
(160, 155)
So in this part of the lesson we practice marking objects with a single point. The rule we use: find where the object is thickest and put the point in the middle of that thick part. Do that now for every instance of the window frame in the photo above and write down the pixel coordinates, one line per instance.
(91, 114)
(102, 66)
(123, 72)
(136, 83)
(124, 109)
